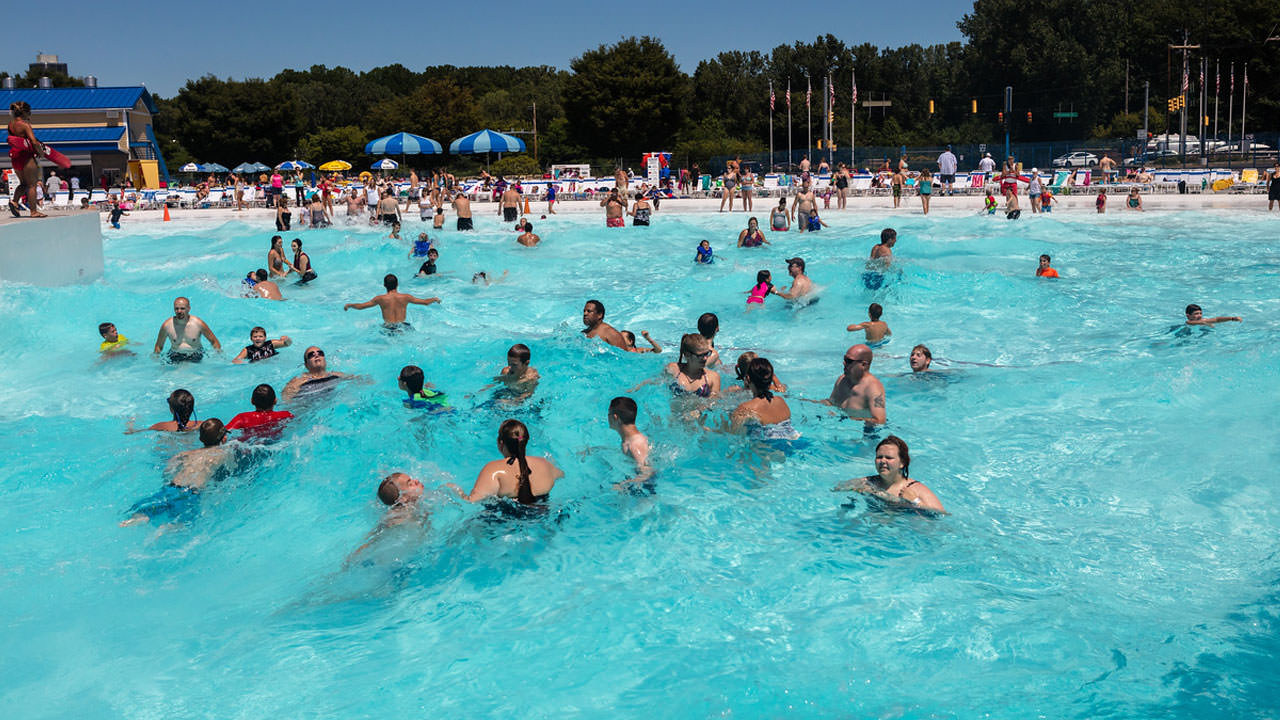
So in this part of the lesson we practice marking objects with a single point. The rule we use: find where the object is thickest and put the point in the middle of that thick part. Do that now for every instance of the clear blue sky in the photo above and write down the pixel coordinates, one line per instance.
(162, 45)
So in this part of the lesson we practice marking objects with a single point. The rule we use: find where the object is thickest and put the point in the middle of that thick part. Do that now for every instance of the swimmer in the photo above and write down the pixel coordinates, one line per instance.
(317, 374)
(420, 246)
(429, 267)
(883, 251)
(265, 288)
(1134, 201)
(483, 277)
(614, 205)
(302, 263)
(780, 217)
(705, 255)
(752, 236)
(990, 204)
(527, 480)
(891, 483)
(519, 377)
(1044, 270)
(182, 406)
(801, 285)
(876, 329)
(593, 318)
(708, 326)
(264, 411)
(1195, 316)
(279, 266)
(689, 373)
(857, 390)
(762, 289)
(740, 372)
(920, 359)
(260, 348)
(815, 222)
(528, 238)
(622, 419)
(765, 416)
(1101, 202)
(422, 394)
(113, 343)
(183, 331)
(189, 472)
(393, 303)
(630, 337)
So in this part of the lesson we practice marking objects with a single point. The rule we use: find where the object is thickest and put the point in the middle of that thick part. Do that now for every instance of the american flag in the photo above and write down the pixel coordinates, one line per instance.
(788, 96)
(855, 88)
(832, 87)
(1217, 80)
(1233, 79)
(771, 98)
(808, 94)
(1186, 80)
(1201, 76)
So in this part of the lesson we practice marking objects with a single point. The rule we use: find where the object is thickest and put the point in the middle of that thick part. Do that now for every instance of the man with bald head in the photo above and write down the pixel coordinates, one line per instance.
(183, 332)
(857, 390)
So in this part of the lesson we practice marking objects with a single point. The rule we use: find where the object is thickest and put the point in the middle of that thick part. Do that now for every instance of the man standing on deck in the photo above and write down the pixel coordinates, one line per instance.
(393, 303)
(462, 206)
(1108, 167)
(183, 331)
(947, 170)
(593, 318)
(857, 389)
(986, 164)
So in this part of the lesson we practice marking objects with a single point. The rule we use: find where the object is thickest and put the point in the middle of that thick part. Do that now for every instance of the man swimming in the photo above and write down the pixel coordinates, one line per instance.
(801, 285)
(317, 374)
(113, 343)
(528, 238)
(183, 331)
(393, 303)
(857, 390)
(920, 359)
(189, 471)
(622, 419)
(876, 329)
(883, 251)
(265, 288)
(1195, 316)
(593, 318)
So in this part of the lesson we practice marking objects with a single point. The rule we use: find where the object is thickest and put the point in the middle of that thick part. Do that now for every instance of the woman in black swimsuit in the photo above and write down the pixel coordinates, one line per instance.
(842, 186)
(526, 480)
(283, 216)
(890, 483)
(302, 263)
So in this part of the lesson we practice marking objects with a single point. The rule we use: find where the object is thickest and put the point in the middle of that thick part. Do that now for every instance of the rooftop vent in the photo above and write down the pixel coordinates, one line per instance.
(90, 81)
(7, 83)
(45, 82)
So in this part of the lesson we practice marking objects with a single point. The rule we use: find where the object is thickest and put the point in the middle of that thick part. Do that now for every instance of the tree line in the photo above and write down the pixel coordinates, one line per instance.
(618, 101)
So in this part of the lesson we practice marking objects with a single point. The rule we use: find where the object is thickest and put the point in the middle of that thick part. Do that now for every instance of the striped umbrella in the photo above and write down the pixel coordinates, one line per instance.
(386, 164)
(190, 167)
(486, 141)
(295, 165)
(403, 143)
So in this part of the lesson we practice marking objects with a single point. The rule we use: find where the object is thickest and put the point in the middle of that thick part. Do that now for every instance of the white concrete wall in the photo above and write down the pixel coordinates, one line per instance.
(58, 250)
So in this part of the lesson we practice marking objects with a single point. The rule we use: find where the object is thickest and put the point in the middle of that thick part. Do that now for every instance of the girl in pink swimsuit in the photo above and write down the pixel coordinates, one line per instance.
(764, 286)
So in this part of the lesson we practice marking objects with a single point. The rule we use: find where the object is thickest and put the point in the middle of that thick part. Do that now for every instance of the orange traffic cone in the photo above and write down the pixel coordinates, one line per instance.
(526, 206)
(166, 212)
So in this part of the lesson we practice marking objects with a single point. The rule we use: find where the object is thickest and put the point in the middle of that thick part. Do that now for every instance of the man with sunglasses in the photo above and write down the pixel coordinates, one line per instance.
(857, 390)
(317, 375)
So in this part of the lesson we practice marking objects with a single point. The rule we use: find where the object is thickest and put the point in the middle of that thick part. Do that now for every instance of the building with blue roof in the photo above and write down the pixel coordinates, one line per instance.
(104, 131)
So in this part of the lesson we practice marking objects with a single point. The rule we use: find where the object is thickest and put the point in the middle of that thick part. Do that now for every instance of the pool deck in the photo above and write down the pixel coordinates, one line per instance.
(876, 205)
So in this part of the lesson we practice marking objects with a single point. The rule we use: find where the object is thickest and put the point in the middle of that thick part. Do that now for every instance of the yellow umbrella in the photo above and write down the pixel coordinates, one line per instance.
(336, 166)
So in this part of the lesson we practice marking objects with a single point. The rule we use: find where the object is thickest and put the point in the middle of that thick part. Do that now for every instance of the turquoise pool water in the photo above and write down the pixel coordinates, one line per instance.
(1111, 550)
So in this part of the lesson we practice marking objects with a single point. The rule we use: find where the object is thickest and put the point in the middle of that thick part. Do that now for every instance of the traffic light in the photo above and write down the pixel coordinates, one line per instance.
(1206, 121)
(975, 106)
(819, 143)
(930, 107)
(1028, 117)
(1000, 117)
(831, 116)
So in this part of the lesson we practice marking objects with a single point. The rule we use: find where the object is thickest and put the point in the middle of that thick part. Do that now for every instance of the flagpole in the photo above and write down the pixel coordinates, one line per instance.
(1244, 103)
(853, 124)
(808, 109)
(770, 126)
(1231, 106)
(790, 152)
(1217, 88)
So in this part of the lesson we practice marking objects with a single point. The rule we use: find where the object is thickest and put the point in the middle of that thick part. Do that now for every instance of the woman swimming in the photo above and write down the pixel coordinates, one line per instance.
(752, 237)
(891, 483)
(529, 482)
(182, 406)
(689, 373)
(740, 372)
(765, 416)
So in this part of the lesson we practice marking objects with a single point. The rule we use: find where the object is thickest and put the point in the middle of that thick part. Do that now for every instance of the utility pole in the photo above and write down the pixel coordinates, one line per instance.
(1146, 104)
(535, 131)
(1126, 86)
(1008, 116)
(1184, 47)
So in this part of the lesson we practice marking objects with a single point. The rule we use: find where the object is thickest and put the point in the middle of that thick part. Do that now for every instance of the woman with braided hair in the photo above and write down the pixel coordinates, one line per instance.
(527, 480)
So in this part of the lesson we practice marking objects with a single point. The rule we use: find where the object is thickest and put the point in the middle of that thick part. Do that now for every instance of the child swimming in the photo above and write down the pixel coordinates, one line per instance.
(764, 286)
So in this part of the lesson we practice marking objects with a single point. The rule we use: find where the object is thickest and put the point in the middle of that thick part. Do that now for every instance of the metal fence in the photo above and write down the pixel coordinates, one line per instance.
(1259, 151)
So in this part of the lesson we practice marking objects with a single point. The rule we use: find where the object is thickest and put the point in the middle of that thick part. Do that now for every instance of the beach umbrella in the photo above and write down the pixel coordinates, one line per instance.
(295, 165)
(214, 168)
(403, 143)
(190, 167)
(336, 166)
(244, 167)
(259, 167)
(486, 141)
(386, 164)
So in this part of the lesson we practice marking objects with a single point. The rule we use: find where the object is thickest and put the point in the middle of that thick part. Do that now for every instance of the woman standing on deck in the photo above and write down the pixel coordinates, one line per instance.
(23, 151)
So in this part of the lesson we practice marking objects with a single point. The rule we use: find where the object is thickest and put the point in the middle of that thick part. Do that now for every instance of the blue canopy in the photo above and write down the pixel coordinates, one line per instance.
(295, 165)
(486, 141)
(386, 164)
(213, 168)
(244, 167)
(403, 143)
(259, 167)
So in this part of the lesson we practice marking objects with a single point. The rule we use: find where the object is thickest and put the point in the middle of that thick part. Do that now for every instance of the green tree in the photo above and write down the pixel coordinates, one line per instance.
(626, 98)
(229, 122)
(341, 143)
(513, 165)
(437, 109)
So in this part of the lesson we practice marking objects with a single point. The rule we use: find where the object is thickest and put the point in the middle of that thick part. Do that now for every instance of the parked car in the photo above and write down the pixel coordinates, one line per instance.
(1076, 159)
(1152, 156)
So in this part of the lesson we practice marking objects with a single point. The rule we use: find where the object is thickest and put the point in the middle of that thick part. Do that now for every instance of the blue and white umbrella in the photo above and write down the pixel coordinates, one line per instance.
(190, 167)
(295, 165)
(386, 164)
(259, 167)
(486, 141)
(245, 167)
(403, 143)
(213, 168)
